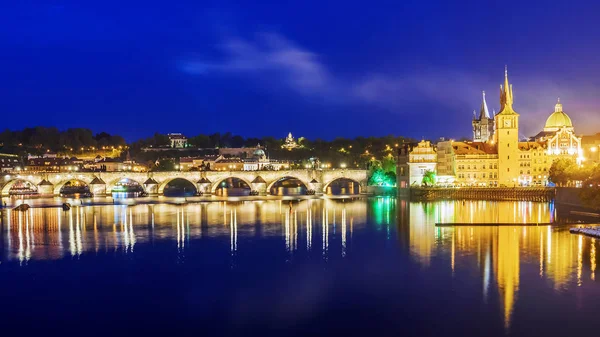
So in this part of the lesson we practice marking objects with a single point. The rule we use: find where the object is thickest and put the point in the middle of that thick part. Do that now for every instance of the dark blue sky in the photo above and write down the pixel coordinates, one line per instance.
(315, 68)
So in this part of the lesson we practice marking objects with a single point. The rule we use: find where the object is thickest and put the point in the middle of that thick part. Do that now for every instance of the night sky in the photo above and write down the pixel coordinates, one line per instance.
(315, 68)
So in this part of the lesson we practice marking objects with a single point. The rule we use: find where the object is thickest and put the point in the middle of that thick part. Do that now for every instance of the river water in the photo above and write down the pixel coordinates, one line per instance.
(353, 266)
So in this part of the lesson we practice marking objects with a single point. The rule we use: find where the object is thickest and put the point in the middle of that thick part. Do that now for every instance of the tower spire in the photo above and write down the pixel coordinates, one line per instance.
(506, 93)
(484, 112)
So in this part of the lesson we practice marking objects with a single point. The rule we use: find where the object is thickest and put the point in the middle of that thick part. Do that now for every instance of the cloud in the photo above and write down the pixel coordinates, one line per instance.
(280, 63)
(299, 69)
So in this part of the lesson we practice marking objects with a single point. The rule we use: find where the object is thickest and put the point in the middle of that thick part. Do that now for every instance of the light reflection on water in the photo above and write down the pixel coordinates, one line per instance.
(498, 256)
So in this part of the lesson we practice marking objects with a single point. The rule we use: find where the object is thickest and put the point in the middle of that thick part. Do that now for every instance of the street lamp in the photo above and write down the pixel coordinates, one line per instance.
(343, 165)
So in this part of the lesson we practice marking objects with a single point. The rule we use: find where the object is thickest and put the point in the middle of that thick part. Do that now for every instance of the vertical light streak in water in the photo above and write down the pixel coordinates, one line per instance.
(178, 230)
(453, 251)
(224, 212)
(233, 231)
(8, 234)
(125, 231)
(541, 253)
(333, 222)
(325, 232)
(593, 260)
(344, 232)
(72, 247)
(21, 249)
(31, 228)
(78, 233)
(96, 245)
(27, 239)
(308, 228)
(549, 245)
(131, 232)
(487, 271)
(579, 259)
(153, 219)
(59, 217)
(27, 236)
(295, 231)
(286, 227)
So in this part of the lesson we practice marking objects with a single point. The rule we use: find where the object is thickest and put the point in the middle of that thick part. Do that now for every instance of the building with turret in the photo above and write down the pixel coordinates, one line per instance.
(483, 124)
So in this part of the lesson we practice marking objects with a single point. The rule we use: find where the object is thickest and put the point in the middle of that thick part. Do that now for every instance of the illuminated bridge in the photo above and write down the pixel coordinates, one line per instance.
(206, 182)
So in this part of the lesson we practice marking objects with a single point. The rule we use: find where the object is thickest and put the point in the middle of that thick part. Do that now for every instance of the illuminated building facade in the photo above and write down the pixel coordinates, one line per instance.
(177, 140)
(9, 162)
(497, 157)
(421, 159)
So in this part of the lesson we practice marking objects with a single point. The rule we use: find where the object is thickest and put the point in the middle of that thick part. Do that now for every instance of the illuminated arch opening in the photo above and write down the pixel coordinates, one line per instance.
(232, 186)
(288, 186)
(342, 186)
(74, 188)
(179, 187)
(20, 187)
(127, 188)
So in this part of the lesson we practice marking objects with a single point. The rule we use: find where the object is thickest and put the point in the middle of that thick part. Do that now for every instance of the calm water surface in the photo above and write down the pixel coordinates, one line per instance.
(375, 266)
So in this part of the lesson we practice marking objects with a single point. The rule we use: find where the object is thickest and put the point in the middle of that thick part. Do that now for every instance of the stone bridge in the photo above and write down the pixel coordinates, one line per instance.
(206, 182)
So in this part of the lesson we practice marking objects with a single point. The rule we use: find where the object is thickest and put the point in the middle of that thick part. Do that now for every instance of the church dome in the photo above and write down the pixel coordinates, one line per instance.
(558, 119)
(259, 153)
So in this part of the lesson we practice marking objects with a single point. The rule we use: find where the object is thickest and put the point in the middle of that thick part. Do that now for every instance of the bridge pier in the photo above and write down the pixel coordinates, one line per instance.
(259, 185)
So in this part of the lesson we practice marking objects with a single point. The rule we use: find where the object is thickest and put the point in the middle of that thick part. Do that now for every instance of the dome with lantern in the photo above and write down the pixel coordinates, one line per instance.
(558, 119)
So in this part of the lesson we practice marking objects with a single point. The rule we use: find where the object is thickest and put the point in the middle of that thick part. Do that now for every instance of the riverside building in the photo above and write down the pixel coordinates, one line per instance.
(496, 156)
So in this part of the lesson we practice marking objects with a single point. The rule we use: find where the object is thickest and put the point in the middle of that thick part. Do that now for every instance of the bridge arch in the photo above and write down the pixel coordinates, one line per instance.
(219, 181)
(110, 186)
(11, 183)
(283, 179)
(162, 185)
(59, 186)
(356, 185)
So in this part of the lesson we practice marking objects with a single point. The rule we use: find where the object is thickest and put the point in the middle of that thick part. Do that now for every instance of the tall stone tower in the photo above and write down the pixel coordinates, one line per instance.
(483, 124)
(506, 137)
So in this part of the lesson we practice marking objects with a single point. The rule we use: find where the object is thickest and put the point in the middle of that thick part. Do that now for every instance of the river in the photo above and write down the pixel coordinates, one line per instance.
(348, 266)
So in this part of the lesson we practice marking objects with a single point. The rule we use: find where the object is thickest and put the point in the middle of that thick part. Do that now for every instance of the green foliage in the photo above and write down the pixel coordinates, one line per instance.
(590, 193)
(429, 178)
(42, 139)
(561, 171)
(164, 165)
(378, 177)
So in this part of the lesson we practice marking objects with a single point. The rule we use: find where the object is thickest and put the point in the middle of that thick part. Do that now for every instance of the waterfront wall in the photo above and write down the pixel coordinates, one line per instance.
(483, 193)
(381, 190)
(569, 197)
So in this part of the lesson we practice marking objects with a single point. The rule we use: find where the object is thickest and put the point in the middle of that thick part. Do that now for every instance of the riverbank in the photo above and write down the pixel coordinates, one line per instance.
(541, 194)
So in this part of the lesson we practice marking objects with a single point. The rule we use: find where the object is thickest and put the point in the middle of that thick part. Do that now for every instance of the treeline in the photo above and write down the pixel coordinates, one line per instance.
(372, 152)
(356, 152)
(42, 139)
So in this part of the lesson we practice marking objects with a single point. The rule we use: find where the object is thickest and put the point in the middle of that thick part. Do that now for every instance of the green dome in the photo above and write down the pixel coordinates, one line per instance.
(558, 119)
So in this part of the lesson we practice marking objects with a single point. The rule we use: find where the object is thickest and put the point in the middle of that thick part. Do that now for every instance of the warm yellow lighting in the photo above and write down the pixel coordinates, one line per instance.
(593, 149)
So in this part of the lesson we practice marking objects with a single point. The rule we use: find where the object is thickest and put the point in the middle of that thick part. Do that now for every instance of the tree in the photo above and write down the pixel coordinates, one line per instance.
(561, 171)
(590, 193)
(429, 178)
